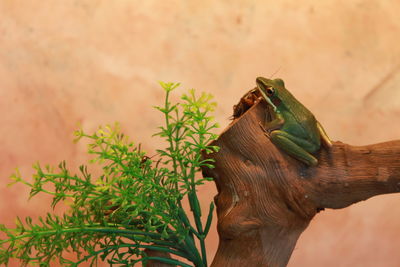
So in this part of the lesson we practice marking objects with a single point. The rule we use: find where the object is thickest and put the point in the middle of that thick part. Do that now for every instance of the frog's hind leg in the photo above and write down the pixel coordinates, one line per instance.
(290, 145)
(324, 137)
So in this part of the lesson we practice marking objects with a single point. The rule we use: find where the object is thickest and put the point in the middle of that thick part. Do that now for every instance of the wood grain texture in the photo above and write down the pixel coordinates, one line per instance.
(266, 198)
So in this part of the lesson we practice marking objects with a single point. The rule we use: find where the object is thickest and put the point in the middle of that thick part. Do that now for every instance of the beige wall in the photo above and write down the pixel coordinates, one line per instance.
(96, 62)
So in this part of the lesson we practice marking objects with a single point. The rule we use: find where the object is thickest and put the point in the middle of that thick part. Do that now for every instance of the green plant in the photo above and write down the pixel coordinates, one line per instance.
(134, 206)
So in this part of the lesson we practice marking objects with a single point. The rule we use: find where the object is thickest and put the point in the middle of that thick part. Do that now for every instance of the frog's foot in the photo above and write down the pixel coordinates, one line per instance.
(326, 141)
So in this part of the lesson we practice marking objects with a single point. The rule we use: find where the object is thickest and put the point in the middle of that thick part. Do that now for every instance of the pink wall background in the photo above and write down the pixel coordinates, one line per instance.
(95, 62)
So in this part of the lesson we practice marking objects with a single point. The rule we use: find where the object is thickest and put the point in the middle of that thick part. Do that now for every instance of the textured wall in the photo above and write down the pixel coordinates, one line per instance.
(98, 61)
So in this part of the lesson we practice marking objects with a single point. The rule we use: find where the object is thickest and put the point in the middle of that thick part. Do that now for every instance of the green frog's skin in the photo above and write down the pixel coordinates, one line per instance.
(294, 129)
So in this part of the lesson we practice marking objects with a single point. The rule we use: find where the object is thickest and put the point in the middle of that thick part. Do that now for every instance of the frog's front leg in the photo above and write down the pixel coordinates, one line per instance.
(294, 146)
(269, 126)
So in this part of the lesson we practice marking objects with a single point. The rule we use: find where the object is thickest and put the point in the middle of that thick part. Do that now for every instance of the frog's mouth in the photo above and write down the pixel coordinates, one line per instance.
(261, 89)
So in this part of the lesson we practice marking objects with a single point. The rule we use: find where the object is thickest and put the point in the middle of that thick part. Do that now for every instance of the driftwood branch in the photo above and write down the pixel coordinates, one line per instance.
(266, 199)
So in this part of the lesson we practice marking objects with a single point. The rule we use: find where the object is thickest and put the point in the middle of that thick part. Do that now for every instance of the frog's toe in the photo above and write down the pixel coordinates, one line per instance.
(312, 162)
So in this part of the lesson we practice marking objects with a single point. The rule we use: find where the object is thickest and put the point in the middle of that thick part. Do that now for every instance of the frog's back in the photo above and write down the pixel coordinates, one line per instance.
(304, 119)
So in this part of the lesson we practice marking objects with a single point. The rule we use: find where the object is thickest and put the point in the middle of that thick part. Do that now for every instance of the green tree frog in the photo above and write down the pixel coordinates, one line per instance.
(294, 129)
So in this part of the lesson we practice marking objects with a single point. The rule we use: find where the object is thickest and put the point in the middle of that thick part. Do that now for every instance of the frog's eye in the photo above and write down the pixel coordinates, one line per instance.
(269, 91)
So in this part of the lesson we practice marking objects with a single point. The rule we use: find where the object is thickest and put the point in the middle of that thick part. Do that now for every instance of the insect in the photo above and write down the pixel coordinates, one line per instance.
(246, 102)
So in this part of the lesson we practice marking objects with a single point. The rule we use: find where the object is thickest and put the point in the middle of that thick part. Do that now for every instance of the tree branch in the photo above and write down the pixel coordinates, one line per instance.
(266, 198)
(348, 174)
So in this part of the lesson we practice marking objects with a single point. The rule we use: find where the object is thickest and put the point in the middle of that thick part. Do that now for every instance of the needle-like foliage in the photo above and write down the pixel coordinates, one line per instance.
(133, 207)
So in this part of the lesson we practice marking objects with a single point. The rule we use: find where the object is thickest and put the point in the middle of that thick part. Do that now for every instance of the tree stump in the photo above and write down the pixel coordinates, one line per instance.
(266, 198)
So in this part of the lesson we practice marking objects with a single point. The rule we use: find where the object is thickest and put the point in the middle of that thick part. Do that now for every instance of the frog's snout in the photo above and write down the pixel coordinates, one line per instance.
(259, 82)
(260, 85)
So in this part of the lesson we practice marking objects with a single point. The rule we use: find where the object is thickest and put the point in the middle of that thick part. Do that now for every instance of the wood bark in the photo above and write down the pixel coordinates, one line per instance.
(266, 198)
